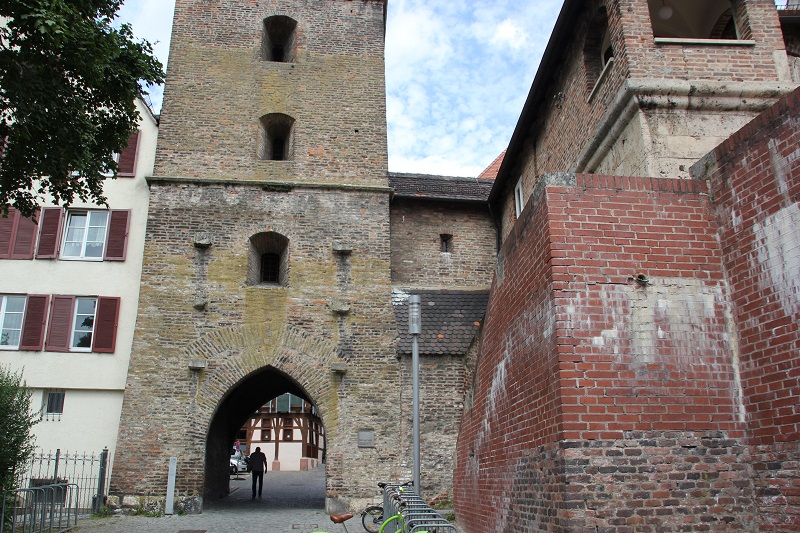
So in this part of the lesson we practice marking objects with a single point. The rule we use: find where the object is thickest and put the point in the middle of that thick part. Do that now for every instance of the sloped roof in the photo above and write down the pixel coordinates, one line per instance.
(450, 320)
(426, 186)
(490, 172)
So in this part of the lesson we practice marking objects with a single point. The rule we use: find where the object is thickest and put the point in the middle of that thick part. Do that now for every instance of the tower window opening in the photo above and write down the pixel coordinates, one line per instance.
(270, 268)
(278, 149)
(279, 39)
(276, 137)
(446, 242)
(268, 259)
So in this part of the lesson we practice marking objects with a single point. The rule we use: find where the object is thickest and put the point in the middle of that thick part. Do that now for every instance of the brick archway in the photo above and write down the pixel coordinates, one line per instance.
(248, 358)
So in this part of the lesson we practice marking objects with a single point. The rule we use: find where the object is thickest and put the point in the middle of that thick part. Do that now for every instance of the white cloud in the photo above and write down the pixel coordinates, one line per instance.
(509, 33)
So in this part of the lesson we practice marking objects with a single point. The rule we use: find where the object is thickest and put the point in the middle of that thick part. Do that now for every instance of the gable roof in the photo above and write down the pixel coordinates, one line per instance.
(430, 187)
(450, 320)
(490, 172)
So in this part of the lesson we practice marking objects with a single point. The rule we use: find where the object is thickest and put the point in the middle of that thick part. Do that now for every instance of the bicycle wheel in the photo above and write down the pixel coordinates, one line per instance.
(372, 518)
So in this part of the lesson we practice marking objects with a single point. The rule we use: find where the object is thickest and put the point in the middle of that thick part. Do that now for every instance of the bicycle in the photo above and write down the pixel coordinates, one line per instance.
(342, 518)
(411, 514)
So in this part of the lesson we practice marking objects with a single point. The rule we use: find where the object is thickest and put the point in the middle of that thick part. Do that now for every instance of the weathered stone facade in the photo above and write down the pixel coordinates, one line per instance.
(213, 341)
(211, 345)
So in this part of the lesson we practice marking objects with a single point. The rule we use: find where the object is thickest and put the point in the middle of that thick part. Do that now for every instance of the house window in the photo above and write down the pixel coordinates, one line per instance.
(519, 200)
(83, 324)
(89, 235)
(85, 236)
(278, 44)
(446, 241)
(12, 310)
(598, 52)
(276, 137)
(288, 431)
(53, 404)
(268, 259)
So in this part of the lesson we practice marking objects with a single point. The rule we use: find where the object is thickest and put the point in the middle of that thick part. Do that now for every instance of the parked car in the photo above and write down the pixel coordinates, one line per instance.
(239, 462)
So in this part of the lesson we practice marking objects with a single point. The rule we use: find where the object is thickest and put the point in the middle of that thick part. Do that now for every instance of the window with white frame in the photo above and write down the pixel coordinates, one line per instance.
(83, 324)
(53, 404)
(519, 199)
(12, 310)
(85, 236)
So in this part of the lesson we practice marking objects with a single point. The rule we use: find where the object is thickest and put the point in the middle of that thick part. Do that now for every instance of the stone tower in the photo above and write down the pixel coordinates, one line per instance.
(267, 256)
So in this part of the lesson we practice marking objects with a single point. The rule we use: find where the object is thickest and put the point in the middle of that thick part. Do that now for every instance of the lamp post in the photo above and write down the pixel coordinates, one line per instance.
(415, 328)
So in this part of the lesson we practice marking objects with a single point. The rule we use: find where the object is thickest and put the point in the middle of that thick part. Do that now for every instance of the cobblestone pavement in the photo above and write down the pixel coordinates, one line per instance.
(292, 502)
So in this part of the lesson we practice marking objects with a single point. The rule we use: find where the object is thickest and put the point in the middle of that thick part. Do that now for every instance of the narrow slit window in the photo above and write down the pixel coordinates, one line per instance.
(446, 242)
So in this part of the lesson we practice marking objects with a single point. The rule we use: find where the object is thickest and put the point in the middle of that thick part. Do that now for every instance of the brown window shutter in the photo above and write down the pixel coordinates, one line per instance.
(49, 232)
(105, 325)
(33, 325)
(8, 229)
(61, 315)
(24, 239)
(117, 235)
(127, 158)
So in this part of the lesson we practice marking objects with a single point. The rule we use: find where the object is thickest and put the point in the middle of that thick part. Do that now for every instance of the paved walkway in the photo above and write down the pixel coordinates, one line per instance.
(292, 502)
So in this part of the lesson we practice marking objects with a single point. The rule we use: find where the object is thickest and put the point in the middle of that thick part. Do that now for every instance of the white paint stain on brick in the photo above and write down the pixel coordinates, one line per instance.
(779, 256)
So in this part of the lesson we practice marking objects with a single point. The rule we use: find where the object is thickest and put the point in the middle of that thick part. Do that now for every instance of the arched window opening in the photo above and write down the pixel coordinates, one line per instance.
(268, 259)
(689, 19)
(598, 52)
(279, 39)
(276, 137)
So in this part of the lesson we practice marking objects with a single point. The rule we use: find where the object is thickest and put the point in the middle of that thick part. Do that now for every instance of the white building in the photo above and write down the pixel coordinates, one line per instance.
(69, 289)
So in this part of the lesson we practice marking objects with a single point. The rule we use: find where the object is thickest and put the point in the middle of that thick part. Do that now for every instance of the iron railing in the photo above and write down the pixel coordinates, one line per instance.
(88, 471)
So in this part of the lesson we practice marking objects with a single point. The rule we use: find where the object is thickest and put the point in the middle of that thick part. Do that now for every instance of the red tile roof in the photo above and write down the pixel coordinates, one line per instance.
(490, 172)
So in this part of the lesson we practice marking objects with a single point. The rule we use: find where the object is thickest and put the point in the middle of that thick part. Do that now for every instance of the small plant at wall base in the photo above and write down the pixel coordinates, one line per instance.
(16, 421)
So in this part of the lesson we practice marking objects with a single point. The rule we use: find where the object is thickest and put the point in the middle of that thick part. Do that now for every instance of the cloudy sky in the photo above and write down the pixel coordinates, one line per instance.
(457, 74)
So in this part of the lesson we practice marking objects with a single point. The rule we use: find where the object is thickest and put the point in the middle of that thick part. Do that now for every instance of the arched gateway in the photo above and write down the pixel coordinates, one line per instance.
(244, 376)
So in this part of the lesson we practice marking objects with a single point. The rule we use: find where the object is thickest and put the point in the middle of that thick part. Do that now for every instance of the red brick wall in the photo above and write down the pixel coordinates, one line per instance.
(755, 182)
(599, 402)
(519, 351)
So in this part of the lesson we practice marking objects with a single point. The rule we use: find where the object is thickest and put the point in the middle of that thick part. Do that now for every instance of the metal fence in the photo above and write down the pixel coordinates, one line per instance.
(88, 471)
(51, 508)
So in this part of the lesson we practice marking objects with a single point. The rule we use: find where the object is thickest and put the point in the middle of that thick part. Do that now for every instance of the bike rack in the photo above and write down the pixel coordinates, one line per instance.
(417, 515)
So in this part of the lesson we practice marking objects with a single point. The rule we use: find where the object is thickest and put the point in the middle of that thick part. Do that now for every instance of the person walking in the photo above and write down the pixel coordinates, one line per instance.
(258, 465)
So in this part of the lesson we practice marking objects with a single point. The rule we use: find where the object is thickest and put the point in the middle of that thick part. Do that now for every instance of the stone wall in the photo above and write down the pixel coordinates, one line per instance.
(218, 87)
(417, 257)
(195, 297)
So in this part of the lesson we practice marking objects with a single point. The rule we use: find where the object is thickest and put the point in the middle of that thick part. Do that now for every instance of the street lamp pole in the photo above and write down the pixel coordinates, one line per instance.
(415, 328)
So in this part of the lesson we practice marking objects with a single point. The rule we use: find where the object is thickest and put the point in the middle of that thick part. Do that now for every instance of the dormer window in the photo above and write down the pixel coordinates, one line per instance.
(279, 39)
